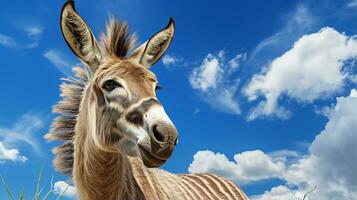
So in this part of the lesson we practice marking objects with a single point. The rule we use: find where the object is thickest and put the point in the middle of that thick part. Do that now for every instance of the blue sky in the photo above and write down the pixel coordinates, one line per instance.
(262, 92)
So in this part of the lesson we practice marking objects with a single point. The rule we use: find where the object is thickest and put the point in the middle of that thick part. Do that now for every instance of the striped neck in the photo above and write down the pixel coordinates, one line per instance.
(103, 175)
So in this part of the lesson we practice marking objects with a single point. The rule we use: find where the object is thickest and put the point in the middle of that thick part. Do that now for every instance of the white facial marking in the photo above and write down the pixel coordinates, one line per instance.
(119, 91)
(129, 144)
(93, 124)
(156, 113)
(134, 106)
(138, 133)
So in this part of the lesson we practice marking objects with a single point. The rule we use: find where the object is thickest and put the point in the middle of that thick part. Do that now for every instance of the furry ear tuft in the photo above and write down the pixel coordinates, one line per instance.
(152, 50)
(117, 41)
(79, 37)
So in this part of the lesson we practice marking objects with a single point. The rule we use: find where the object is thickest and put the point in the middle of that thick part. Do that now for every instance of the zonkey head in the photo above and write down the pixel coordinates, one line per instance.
(119, 102)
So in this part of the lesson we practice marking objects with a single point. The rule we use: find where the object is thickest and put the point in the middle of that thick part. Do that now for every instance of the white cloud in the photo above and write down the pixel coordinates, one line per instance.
(284, 154)
(235, 62)
(213, 80)
(7, 41)
(253, 166)
(22, 131)
(312, 69)
(10, 154)
(170, 61)
(33, 35)
(207, 75)
(59, 60)
(332, 160)
(279, 193)
(34, 31)
(333, 153)
(330, 164)
(69, 191)
(353, 93)
(247, 167)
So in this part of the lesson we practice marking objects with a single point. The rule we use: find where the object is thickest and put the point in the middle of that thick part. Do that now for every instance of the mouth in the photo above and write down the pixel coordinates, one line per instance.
(149, 159)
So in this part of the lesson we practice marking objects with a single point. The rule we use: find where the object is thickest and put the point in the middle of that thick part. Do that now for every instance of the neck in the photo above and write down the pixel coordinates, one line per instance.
(100, 174)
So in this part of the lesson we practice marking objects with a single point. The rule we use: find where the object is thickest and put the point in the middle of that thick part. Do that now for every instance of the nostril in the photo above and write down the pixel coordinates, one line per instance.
(158, 136)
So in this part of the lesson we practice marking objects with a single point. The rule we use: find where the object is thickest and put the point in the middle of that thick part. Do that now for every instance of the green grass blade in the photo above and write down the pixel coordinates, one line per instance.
(38, 183)
(39, 193)
(22, 195)
(7, 188)
(65, 190)
(49, 191)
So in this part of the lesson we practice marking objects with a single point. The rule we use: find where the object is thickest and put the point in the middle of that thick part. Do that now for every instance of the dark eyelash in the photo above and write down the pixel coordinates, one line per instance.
(110, 85)
(158, 88)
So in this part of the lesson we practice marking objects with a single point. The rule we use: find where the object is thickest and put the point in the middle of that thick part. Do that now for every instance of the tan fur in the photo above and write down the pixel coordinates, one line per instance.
(117, 41)
(74, 29)
(92, 128)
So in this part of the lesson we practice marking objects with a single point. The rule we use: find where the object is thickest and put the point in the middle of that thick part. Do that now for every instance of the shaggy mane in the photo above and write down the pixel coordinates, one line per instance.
(116, 42)
(63, 126)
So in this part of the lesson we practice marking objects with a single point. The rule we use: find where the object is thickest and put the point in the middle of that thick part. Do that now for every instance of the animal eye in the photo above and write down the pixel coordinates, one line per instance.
(157, 87)
(110, 85)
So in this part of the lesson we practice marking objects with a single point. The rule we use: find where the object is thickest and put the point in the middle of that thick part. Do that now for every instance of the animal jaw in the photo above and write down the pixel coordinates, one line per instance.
(123, 114)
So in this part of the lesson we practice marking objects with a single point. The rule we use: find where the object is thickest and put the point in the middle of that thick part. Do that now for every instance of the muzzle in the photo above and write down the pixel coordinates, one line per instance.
(161, 139)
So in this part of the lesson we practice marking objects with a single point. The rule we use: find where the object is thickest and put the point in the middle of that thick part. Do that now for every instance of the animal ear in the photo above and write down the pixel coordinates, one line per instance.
(152, 50)
(79, 37)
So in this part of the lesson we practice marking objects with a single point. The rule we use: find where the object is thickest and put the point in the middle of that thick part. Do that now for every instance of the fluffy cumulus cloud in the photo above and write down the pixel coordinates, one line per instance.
(246, 167)
(333, 158)
(10, 154)
(353, 93)
(279, 193)
(312, 69)
(207, 75)
(212, 79)
(253, 166)
(61, 187)
(330, 164)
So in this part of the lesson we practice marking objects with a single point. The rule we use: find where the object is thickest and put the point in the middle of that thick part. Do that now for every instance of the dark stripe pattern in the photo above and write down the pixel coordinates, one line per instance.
(209, 187)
